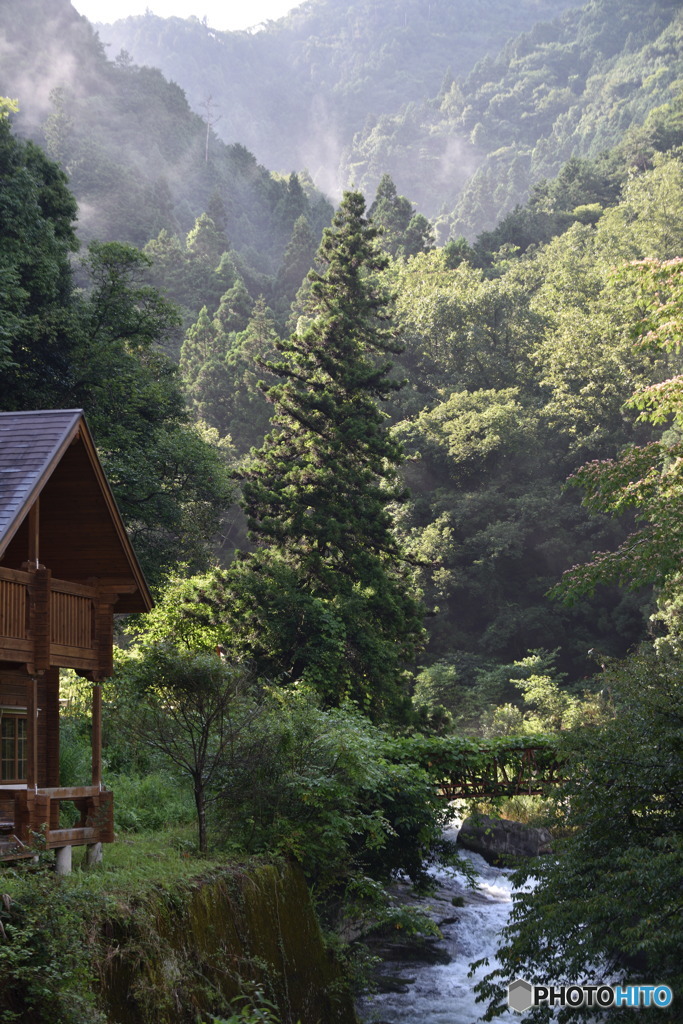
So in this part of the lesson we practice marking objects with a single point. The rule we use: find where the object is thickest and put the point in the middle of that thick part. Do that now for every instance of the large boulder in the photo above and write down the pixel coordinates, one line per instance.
(500, 841)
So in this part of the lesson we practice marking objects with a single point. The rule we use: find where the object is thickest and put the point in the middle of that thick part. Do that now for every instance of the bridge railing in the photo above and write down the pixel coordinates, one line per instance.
(506, 766)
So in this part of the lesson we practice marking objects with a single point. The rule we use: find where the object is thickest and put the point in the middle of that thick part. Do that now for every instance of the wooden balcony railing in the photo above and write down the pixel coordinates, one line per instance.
(15, 642)
(72, 623)
(13, 606)
(45, 621)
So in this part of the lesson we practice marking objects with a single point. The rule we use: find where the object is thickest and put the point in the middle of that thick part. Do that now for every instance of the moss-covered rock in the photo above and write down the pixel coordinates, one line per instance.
(177, 956)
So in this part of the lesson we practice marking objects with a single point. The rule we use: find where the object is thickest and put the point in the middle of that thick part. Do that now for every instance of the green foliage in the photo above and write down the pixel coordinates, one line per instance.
(519, 375)
(643, 478)
(220, 364)
(44, 974)
(402, 233)
(272, 770)
(296, 261)
(36, 215)
(165, 936)
(344, 64)
(540, 688)
(329, 788)
(248, 414)
(600, 77)
(189, 707)
(135, 155)
(460, 330)
(443, 756)
(151, 802)
(148, 795)
(172, 619)
(485, 699)
(610, 901)
(254, 1008)
(569, 88)
(99, 351)
(75, 749)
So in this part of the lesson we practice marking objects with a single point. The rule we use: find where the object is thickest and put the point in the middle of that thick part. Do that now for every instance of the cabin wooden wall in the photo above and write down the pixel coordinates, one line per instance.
(13, 694)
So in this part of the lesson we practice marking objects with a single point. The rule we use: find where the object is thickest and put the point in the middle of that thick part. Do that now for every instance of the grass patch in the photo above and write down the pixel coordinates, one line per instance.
(136, 859)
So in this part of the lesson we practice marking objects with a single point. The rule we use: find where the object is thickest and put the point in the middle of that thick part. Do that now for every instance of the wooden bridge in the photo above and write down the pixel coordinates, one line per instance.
(515, 772)
(466, 768)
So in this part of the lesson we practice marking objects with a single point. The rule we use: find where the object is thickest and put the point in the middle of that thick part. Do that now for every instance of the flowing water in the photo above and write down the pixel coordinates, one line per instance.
(442, 993)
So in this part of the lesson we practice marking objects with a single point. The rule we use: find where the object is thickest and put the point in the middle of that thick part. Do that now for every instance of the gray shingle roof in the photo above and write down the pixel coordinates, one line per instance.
(29, 444)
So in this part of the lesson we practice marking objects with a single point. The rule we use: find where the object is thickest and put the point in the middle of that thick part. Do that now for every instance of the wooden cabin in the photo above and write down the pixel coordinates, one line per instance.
(66, 567)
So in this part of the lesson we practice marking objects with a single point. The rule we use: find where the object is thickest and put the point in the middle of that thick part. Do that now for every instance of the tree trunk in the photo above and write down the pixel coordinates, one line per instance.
(200, 804)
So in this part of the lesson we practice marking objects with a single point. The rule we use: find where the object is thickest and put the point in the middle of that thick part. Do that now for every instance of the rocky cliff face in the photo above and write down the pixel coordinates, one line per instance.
(188, 951)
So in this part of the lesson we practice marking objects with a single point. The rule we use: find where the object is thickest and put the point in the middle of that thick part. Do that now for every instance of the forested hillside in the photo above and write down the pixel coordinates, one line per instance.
(137, 158)
(392, 89)
(569, 87)
(495, 414)
(342, 63)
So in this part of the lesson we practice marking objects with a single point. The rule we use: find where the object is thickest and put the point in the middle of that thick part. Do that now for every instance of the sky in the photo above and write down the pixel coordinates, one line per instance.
(220, 14)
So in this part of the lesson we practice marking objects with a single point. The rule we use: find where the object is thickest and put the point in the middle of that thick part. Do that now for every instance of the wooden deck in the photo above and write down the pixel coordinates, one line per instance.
(30, 819)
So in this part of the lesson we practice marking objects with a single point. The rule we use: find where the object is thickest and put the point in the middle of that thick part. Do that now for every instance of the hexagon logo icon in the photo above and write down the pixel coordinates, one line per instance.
(520, 995)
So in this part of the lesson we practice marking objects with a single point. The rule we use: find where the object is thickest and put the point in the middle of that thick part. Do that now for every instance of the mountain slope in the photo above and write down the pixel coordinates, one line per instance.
(137, 157)
(297, 91)
(570, 87)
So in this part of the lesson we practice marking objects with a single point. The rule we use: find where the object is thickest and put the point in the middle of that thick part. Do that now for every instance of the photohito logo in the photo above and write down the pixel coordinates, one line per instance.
(522, 995)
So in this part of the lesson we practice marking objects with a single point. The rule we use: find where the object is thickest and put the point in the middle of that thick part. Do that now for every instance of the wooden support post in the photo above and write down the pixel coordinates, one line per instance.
(105, 816)
(97, 735)
(31, 733)
(104, 634)
(34, 535)
(48, 698)
(22, 816)
(39, 594)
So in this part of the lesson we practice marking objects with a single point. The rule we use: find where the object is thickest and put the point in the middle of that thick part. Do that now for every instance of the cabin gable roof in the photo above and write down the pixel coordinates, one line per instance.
(30, 444)
(51, 453)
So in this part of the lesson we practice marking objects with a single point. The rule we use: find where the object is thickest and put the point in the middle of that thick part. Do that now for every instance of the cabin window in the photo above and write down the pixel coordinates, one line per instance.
(12, 748)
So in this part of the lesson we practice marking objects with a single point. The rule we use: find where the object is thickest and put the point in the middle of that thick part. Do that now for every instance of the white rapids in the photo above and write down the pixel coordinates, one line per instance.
(443, 993)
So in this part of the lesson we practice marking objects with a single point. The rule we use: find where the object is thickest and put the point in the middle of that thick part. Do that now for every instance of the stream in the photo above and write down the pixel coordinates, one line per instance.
(441, 992)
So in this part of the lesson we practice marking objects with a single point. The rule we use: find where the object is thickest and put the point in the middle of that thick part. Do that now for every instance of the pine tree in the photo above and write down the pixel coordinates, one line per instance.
(234, 309)
(250, 410)
(330, 441)
(403, 233)
(326, 598)
(205, 239)
(200, 345)
(296, 261)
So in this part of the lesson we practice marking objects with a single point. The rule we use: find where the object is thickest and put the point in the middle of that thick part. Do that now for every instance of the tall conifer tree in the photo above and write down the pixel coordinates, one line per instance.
(326, 597)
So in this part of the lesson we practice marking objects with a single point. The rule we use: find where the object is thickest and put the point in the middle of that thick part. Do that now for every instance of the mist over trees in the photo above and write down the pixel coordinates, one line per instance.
(344, 64)
(466, 106)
